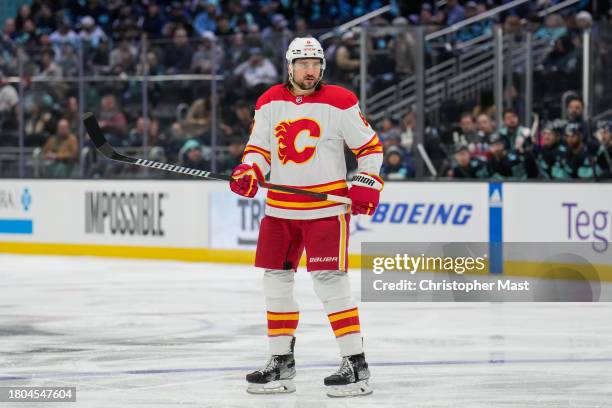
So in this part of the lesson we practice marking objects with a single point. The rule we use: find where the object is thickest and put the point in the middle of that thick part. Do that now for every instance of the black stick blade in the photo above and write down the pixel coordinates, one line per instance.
(96, 135)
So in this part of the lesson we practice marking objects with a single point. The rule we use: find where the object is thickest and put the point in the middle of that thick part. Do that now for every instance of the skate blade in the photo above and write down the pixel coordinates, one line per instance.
(273, 387)
(360, 388)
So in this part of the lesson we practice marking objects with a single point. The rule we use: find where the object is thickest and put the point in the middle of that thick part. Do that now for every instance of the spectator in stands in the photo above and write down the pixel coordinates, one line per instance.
(112, 120)
(9, 98)
(402, 48)
(98, 61)
(69, 64)
(197, 120)
(8, 29)
(564, 56)
(347, 59)
(512, 26)
(575, 114)
(389, 129)
(178, 134)
(71, 114)
(205, 20)
(242, 25)
(553, 29)
(277, 36)
(123, 58)
(577, 162)
(238, 124)
(39, 122)
(240, 17)
(238, 51)
(235, 148)
(136, 135)
(485, 129)
(476, 29)
(575, 109)
(257, 74)
(407, 130)
(513, 132)
(224, 29)
(192, 156)
(466, 167)
(454, 11)
(177, 56)
(153, 22)
(395, 165)
(61, 151)
(100, 12)
(439, 20)
(27, 36)
(301, 27)
(177, 18)
(48, 67)
(467, 134)
(550, 153)
(45, 21)
(254, 40)
(425, 16)
(209, 51)
(503, 164)
(91, 34)
(604, 154)
(63, 35)
(23, 14)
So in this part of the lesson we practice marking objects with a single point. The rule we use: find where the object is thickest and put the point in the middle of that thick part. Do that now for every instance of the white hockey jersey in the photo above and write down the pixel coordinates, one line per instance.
(300, 140)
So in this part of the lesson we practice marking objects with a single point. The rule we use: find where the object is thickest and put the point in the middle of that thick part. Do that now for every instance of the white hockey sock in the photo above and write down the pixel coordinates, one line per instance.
(333, 288)
(282, 310)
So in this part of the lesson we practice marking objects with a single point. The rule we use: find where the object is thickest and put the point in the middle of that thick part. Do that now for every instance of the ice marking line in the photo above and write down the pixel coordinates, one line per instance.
(247, 368)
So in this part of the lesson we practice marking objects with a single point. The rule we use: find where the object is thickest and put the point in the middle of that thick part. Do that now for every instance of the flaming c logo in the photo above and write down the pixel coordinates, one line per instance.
(287, 133)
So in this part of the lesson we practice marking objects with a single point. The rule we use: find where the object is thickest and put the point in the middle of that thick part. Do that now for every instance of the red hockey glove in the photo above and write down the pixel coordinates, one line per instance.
(365, 192)
(245, 179)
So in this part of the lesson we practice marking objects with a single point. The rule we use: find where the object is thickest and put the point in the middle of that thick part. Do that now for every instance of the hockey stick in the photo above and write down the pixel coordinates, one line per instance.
(97, 137)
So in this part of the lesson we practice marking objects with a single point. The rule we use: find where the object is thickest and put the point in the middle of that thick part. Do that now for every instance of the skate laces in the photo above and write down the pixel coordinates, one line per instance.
(272, 364)
(346, 368)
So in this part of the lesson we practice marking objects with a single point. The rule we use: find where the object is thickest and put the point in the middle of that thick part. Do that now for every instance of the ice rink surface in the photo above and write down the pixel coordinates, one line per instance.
(146, 333)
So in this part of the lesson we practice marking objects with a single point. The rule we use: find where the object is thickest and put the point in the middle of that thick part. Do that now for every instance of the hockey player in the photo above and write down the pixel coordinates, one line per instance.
(298, 137)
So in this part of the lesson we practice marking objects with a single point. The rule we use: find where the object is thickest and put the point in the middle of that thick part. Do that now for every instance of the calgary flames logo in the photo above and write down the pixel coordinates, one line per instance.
(287, 133)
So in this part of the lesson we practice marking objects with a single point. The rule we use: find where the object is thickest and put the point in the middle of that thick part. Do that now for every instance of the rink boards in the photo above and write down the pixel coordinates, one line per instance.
(204, 221)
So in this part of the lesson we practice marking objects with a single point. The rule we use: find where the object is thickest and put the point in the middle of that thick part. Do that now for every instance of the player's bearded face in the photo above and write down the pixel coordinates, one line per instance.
(306, 72)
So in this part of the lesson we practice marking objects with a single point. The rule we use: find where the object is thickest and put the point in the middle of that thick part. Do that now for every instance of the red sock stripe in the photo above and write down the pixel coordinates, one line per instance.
(282, 324)
(349, 321)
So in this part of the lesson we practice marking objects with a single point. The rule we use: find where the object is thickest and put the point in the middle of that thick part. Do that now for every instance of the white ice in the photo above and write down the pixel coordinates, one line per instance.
(149, 333)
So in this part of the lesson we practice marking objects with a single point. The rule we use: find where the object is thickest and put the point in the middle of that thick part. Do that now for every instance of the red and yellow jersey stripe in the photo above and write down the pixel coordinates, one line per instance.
(256, 149)
(292, 201)
(373, 146)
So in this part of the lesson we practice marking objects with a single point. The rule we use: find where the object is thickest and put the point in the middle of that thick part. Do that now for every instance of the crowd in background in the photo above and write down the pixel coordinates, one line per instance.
(245, 41)
(478, 148)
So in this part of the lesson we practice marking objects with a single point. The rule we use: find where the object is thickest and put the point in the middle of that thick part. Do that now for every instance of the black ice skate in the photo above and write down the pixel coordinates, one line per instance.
(276, 377)
(351, 379)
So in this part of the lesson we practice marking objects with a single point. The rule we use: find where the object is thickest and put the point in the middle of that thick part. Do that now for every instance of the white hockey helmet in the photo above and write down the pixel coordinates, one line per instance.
(305, 47)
